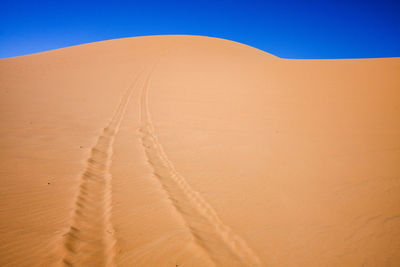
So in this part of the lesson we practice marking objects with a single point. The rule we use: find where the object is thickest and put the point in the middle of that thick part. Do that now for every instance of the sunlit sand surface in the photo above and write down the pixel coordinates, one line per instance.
(196, 151)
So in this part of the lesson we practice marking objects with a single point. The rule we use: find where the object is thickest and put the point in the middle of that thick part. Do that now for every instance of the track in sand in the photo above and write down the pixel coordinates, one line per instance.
(221, 244)
(90, 240)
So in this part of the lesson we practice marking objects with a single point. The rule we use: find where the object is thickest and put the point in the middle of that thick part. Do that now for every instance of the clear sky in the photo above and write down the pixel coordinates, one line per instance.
(289, 29)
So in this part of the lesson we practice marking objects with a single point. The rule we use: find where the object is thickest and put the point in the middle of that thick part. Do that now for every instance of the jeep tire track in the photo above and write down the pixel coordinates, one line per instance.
(224, 247)
(90, 240)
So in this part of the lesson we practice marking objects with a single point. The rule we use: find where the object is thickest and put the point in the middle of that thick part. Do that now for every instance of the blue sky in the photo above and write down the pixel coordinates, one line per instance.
(289, 29)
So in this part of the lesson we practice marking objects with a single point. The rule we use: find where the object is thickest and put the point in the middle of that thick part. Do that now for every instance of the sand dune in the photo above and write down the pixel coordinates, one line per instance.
(196, 151)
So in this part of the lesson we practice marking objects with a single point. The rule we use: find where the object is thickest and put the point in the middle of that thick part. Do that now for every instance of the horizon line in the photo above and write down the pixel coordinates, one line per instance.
(193, 35)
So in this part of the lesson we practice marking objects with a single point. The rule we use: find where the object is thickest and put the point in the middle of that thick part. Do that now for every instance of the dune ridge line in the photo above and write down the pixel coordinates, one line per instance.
(90, 239)
(221, 244)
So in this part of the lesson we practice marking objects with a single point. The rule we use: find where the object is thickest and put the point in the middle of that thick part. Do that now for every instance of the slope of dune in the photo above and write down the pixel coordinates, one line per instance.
(196, 151)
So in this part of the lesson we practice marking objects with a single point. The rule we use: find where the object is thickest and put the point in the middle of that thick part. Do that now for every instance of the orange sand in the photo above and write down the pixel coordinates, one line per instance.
(196, 151)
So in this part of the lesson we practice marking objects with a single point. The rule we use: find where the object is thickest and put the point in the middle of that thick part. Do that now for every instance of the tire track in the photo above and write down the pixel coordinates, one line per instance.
(90, 240)
(221, 244)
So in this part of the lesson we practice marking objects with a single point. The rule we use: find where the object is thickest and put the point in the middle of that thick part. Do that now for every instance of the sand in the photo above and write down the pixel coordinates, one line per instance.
(196, 151)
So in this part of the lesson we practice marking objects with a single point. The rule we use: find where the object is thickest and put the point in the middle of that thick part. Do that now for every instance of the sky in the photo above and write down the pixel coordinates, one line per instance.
(285, 28)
